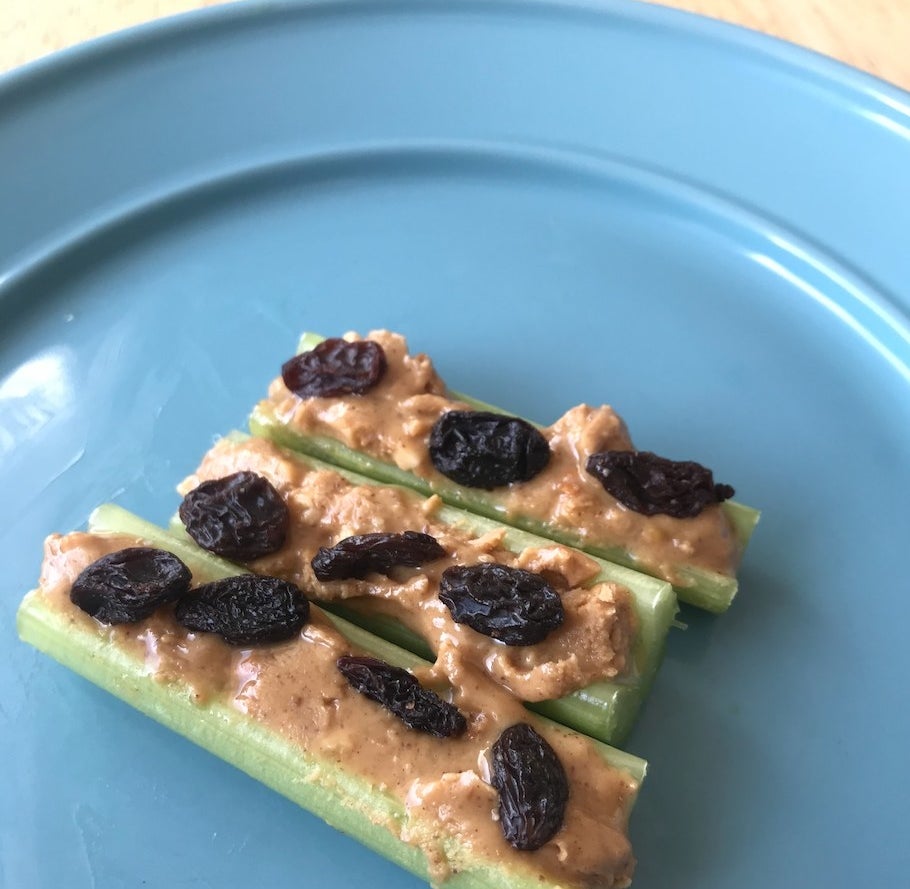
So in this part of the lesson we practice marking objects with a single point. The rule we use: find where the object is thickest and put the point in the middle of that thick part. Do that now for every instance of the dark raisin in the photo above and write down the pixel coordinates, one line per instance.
(335, 367)
(517, 607)
(245, 610)
(401, 694)
(240, 516)
(649, 484)
(359, 555)
(128, 585)
(483, 450)
(533, 787)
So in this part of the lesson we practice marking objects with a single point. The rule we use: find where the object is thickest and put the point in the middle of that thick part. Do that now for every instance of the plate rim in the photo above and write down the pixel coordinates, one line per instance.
(827, 71)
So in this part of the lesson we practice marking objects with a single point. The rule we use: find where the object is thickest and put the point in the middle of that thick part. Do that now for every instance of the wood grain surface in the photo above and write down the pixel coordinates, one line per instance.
(873, 35)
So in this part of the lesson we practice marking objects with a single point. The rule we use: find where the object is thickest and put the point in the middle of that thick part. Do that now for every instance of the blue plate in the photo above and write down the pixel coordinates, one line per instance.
(561, 202)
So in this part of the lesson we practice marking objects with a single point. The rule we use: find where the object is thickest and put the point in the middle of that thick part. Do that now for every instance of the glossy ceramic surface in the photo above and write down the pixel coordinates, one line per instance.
(561, 203)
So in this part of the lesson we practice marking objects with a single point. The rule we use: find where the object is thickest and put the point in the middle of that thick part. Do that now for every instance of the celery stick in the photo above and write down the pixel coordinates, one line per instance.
(705, 589)
(344, 800)
(605, 710)
(113, 519)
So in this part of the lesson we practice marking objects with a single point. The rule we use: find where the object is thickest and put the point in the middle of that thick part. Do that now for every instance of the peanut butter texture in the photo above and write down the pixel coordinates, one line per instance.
(593, 643)
(294, 688)
(393, 420)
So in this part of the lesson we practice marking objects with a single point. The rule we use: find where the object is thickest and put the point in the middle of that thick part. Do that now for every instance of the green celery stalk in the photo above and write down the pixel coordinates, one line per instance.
(341, 798)
(605, 710)
(704, 589)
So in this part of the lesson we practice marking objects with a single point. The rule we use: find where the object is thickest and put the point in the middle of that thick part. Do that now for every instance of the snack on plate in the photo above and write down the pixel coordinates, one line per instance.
(367, 405)
(436, 767)
(578, 637)
(402, 713)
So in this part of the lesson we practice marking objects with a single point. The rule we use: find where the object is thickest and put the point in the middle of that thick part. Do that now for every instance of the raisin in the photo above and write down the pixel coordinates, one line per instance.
(126, 586)
(240, 516)
(359, 555)
(650, 485)
(483, 450)
(335, 367)
(402, 695)
(533, 787)
(245, 610)
(514, 606)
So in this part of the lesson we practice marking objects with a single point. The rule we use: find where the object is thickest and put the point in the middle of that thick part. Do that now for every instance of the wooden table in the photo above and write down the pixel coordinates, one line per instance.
(871, 34)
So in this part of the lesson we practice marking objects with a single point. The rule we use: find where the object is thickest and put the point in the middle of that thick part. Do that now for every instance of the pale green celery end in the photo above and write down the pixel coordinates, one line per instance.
(707, 590)
(345, 801)
(703, 589)
(711, 591)
(606, 711)
(744, 519)
(308, 341)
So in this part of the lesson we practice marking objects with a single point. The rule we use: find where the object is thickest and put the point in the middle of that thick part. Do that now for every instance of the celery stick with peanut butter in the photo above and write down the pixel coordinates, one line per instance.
(577, 638)
(367, 736)
(368, 405)
(447, 527)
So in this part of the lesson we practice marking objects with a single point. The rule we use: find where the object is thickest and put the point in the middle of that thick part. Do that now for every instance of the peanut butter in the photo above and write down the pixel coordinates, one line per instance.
(392, 423)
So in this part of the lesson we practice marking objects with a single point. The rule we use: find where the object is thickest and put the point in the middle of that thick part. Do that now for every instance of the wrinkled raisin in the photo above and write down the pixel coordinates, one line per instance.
(128, 585)
(240, 516)
(401, 694)
(649, 484)
(514, 606)
(483, 450)
(245, 610)
(335, 367)
(359, 555)
(533, 787)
